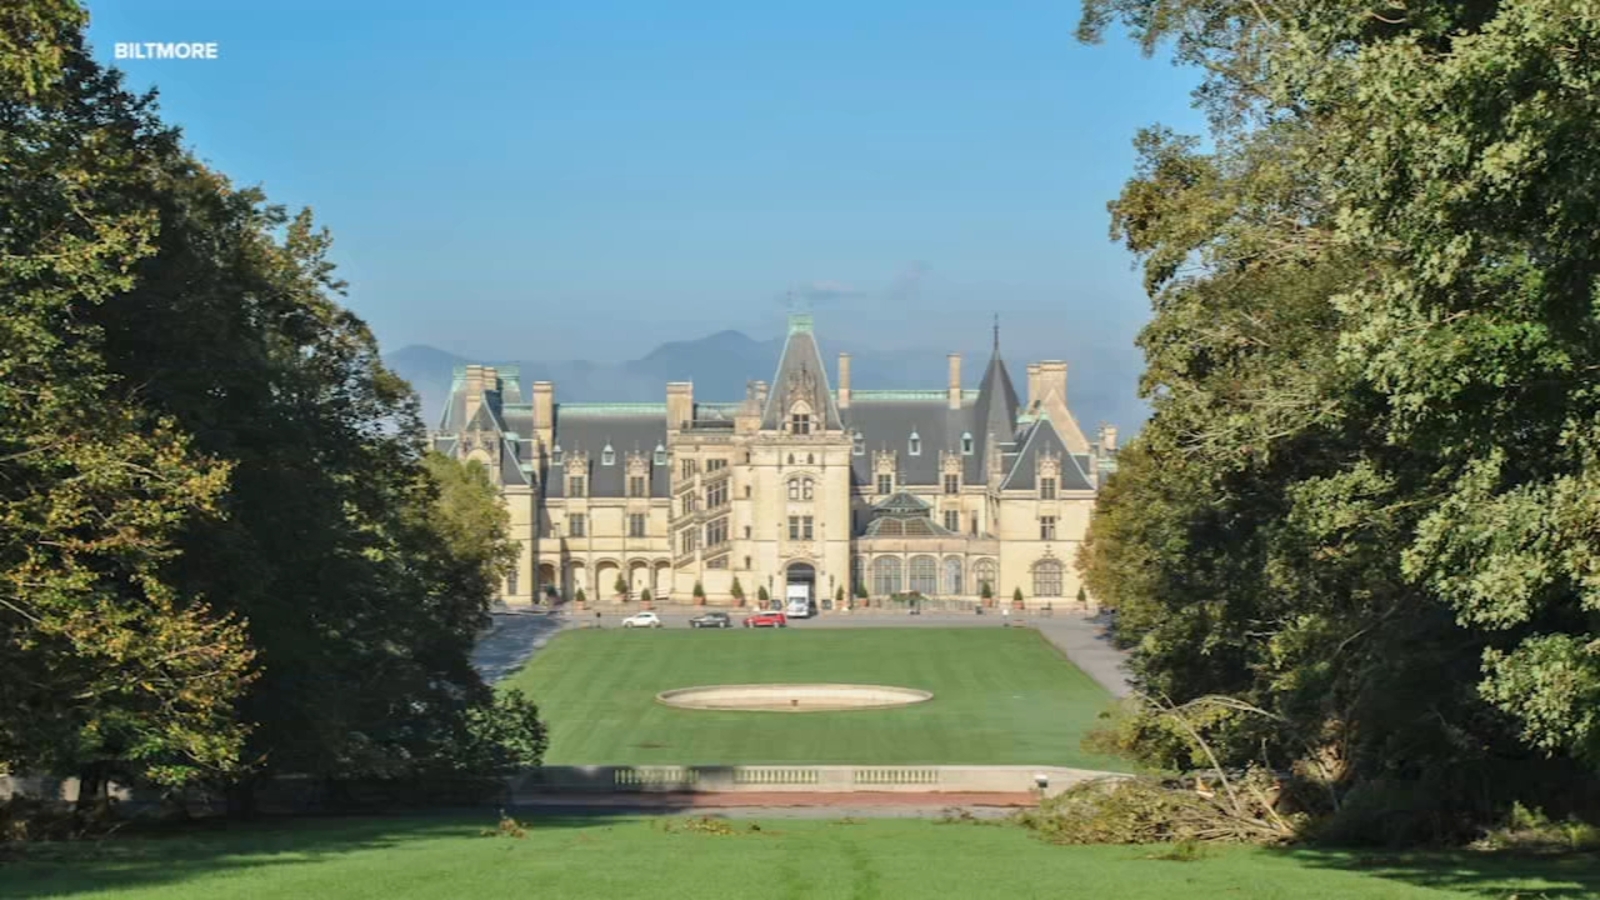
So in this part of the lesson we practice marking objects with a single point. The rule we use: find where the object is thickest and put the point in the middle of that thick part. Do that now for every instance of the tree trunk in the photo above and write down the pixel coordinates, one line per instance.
(94, 800)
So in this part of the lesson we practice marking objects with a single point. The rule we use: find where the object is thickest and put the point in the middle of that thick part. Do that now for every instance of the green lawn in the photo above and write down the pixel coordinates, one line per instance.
(397, 859)
(1000, 696)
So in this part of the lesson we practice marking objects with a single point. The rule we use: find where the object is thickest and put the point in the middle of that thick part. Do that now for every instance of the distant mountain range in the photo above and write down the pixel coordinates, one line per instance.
(720, 365)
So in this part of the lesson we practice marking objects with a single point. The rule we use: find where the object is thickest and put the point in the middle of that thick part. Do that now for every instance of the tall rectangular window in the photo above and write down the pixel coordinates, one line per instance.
(576, 525)
(575, 486)
(952, 484)
(688, 469)
(636, 486)
(636, 523)
(885, 484)
(800, 423)
(1047, 489)
(794, 528)
(952, 520)
(805, 528)
(717, 495)
(687, 540)
(1047, 528)
(717, 533)
(800, 528)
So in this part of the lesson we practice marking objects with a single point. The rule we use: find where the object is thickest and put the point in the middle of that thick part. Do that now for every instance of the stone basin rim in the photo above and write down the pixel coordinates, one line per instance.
(824, 697)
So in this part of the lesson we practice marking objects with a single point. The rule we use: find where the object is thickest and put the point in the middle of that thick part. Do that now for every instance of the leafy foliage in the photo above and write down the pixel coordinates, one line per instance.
(1367, 502)
(215, 506)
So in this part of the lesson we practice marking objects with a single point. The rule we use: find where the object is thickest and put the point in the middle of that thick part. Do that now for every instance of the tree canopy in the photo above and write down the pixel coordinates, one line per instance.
(223, 550)
(1367, 501)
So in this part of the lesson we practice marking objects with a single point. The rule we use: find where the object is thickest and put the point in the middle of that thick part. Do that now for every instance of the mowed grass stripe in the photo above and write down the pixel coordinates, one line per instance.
(1001, 696)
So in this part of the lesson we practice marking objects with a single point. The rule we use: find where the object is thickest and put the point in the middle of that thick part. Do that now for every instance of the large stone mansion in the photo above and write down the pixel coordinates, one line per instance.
(939, 492)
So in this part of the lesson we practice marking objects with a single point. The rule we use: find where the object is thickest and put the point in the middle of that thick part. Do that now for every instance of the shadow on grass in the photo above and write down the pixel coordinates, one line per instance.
(1473, 874)
(165, 855)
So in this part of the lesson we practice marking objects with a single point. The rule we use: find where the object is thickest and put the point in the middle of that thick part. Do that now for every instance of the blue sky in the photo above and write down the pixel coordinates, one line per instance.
(589, 179)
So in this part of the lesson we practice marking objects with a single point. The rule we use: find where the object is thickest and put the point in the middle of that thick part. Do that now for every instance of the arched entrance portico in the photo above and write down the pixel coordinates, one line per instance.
(800, 575)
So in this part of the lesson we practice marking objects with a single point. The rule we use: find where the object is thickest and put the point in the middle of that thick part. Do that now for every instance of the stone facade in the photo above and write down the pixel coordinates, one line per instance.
(937, 492)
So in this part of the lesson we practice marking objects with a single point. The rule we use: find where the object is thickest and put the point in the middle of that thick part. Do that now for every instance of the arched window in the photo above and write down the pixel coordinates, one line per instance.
(983, 573)
(952, 576)
(915, 444)
(858, 573)
(966, 443)
(924, 575)
(608, 456)
(1047, 578)
(886, 575)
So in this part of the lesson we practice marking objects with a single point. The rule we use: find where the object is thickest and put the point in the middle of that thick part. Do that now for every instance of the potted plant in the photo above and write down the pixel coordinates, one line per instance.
(621, 587)
(861, 594)
(838, 598)
(987, 593)
(737, 591)
(762, 596)
(699, 594)
(1083, 599)
(1016, 598)
(581, 599)
(645, 599)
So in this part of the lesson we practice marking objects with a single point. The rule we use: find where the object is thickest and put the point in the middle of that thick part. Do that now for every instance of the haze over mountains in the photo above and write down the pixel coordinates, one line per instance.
(720, 365)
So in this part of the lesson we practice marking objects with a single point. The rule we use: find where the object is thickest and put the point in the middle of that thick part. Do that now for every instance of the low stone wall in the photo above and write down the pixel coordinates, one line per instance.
(293, 795)
(800, 779)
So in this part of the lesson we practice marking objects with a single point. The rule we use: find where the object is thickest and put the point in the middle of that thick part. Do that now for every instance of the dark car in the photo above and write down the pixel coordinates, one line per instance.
(767, 620)
(711, 620)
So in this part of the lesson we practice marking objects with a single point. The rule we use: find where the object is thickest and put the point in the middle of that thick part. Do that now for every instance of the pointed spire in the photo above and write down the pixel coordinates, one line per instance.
(996, 334)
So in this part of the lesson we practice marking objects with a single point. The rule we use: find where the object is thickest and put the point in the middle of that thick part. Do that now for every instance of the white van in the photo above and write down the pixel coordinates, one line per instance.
(799, 601)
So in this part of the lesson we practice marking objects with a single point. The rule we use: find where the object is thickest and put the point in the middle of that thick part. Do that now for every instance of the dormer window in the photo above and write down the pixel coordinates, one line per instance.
(966, 443)
(608, 456)
(915, 444)
(661, 455)
(555, 455)
(859, 447)
(800, 419)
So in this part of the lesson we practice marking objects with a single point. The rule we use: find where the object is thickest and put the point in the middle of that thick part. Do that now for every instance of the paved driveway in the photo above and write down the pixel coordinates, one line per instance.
(515, 637)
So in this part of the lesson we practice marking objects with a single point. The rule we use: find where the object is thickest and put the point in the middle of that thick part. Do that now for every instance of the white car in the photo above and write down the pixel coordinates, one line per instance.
(642, 620)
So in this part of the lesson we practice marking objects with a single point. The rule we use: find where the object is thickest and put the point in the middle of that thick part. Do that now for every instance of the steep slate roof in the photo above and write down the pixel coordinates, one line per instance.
(887, 424)
(800, 374)
(627, 428)
(1041, 437)
(996, 411)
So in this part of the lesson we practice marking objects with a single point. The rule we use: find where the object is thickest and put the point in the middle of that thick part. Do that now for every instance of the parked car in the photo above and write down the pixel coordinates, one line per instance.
(711, 620)
(642, 620)
(767, 620)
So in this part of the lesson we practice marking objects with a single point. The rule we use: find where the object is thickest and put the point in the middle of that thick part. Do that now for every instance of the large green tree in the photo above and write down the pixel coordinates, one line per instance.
(1368, 499)
(187, 413)
(105, 668)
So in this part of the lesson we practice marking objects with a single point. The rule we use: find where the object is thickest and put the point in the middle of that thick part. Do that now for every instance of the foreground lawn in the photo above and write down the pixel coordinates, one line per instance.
(1000, 696)
(397, 859)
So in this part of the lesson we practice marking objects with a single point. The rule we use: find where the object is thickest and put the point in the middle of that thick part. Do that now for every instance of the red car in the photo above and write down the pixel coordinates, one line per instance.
(767, 620)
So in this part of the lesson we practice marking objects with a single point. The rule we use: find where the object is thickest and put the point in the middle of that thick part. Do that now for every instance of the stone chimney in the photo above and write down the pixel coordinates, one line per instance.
(544, 412)
(843, 401)
(473, 394)
(1034, 396)
(954, 387)
(680, 404)
(1108, 438)
(1053, 379)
